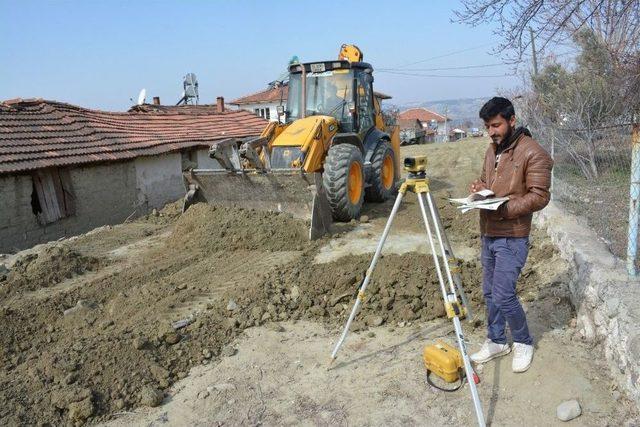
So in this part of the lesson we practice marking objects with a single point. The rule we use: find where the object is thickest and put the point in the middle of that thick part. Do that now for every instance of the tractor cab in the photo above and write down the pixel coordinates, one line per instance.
(340, 89)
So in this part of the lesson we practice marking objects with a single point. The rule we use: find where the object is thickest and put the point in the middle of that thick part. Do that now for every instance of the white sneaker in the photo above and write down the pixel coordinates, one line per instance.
(522, 357)
(490, 350)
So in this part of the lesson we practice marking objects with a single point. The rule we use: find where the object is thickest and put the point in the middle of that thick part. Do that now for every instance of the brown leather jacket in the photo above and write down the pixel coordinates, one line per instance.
(524, 174)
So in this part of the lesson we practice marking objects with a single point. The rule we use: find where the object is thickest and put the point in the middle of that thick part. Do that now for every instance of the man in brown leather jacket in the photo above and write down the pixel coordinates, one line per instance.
(516, 166)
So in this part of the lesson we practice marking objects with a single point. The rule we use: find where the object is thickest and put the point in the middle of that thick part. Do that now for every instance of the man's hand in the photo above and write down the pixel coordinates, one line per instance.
(476, 186)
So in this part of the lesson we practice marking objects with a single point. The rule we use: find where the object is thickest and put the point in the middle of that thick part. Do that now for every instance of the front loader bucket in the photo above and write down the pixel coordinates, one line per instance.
(278, 191)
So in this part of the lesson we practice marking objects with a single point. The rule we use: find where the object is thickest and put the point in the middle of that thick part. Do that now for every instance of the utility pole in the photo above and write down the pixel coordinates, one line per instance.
(634, 198)
(446, 131)
(533, 53)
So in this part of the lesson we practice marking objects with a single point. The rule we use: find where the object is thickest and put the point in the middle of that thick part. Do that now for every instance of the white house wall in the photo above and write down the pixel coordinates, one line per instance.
(273, 113)
(204, 161)
(158, 180)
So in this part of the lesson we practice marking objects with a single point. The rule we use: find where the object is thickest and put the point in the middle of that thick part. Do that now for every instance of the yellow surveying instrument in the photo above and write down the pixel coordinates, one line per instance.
(455, 301)
(445, 362)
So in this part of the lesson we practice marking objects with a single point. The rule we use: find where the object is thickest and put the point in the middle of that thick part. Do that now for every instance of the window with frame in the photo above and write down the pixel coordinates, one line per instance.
(267, 113)
(365, 109)
(52, 197)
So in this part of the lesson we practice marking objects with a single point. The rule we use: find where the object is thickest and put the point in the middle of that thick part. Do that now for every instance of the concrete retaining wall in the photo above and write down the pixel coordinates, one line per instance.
(606, 301)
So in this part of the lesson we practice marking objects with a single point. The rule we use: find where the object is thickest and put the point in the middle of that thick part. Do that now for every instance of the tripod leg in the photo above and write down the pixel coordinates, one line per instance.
(457, 280)
(469, 372)
(439, 236)
(367, 277)
(451, 298)
(434, 252)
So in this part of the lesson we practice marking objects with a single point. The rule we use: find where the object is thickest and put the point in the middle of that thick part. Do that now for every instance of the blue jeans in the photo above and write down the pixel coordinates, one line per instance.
(502, 261)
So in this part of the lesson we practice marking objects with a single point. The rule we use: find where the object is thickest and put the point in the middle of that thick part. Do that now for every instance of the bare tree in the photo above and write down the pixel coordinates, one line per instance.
(390, 115)
(615, 22)
(577, 113)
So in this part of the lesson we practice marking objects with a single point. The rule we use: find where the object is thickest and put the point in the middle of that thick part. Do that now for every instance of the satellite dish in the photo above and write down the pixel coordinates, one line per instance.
(142, 96)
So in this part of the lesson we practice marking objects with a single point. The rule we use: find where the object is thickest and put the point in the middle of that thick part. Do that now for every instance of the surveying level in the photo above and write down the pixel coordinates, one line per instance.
(455, 302)
(415, 164)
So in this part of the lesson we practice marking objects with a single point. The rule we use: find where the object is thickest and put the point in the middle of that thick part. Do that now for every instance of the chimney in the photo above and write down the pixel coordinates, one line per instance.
(156, 100)
(220, 104)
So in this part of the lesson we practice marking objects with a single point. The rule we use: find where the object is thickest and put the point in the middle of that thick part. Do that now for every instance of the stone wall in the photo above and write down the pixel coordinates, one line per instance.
(107, 193)
(606, 301)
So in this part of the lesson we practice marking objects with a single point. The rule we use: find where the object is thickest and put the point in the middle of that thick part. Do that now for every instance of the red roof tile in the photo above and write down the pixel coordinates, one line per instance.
(175, 109)
(422, 114)
(410, 124)
(36, 133)
(275, 94)
(272, 94)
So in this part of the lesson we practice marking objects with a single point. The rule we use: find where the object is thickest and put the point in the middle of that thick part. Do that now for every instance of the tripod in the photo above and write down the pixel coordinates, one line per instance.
(455, 309)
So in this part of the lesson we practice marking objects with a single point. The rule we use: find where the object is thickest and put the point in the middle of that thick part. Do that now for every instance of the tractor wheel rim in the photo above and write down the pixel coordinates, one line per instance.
(387, 172)
(354, 184)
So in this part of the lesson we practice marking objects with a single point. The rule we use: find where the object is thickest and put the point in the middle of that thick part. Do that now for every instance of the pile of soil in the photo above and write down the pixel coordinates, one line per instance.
(111, 344)
(47, 267)
(403, 288)
(216, 228)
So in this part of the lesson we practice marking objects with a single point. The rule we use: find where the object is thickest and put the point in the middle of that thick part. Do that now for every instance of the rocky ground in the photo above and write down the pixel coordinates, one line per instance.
(227, 316)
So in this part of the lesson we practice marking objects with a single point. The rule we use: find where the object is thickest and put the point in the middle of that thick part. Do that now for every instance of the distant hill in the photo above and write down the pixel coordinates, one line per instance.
(459, 110)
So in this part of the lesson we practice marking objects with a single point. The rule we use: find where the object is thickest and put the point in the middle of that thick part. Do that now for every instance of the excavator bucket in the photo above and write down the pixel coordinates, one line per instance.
(284, 190)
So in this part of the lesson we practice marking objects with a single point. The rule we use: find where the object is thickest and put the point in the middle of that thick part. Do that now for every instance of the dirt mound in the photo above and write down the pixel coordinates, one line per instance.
(215, 228)
(108, 345)
(113, 343)
(46, 268)
(402, 288)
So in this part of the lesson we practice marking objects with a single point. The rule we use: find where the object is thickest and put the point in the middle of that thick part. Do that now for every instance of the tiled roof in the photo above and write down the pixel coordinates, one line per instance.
(35, 133)
(410, 124)
(175, 109)
(422, 114)
(274, 94)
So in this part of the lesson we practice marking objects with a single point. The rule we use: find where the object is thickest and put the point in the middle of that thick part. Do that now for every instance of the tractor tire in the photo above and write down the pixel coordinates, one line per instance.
(343, 180)
(383, 174)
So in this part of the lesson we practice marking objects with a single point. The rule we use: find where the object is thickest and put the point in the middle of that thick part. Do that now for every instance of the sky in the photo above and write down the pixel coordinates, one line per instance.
(100, 54)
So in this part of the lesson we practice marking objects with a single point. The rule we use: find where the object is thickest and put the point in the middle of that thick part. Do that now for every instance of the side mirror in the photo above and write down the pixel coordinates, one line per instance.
(280, 110)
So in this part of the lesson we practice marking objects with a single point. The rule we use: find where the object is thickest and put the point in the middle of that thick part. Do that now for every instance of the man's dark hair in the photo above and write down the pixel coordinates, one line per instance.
(495, 106)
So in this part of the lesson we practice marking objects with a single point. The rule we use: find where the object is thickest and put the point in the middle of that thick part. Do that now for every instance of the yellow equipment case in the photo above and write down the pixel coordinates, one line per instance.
(443, 360)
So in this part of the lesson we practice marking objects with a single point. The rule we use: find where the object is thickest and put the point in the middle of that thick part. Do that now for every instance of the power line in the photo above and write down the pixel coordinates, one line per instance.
(444, 55)
(400, 68)
(400, 73)
(463, 67)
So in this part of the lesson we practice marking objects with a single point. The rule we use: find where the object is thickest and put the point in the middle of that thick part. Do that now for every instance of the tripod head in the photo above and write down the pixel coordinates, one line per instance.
(416, 166)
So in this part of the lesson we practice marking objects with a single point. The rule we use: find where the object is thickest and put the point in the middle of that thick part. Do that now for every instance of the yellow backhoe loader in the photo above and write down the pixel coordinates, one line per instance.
(330, 152)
